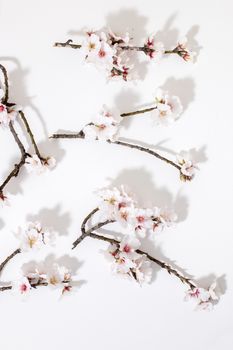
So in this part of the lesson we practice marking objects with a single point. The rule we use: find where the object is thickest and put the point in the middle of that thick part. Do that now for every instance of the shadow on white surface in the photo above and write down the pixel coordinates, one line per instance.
(49, 147)
(183, 88)
(192, 41)
(15, 186)
(221, 282)
(140, 182)
(198, 154)
(53, 218)
(18, 90)
(126, 101)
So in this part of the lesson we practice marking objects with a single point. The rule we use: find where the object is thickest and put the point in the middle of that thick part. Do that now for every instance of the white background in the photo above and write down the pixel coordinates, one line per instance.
(58, 92)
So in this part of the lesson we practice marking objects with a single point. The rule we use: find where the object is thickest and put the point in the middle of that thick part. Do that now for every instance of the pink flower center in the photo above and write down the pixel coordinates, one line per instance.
(102, 126)
(127, 248)
(23, 288)
(102, 53)
(2, 197)
(121, 205)
(140, 218)
(2, 108)
(124, 216)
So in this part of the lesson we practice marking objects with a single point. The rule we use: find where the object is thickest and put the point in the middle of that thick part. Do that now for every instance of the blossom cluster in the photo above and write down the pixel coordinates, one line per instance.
(188, 166)
(205, 299)
(168, 108)
(56, 277)
(104, 126)
(126, 261)
(109, 52)
(33, 236)
(7, 113)
(119, 206)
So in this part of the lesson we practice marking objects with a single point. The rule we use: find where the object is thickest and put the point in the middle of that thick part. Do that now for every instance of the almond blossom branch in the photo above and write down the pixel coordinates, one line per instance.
(113, 241)
(8, 115)
(33, 237)
(125, 254)
(148, 51)
(162, 264)
(107, 50)
(81, 135)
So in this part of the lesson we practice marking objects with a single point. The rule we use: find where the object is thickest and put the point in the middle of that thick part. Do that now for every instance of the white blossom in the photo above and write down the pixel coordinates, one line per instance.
(204, 298)
(7, 115)
(39, 165)
(21, 285)
(103, 127)
(60, 277)
(126, 261)
(114, 200)
(168, 108)
(188, 167)
(34, 236)
(97, 51)
(143, 270)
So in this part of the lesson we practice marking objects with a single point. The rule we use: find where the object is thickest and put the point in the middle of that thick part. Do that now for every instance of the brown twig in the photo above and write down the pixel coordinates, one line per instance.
(11, 256)
(83, 227)
(68, 43)
(140, 111)
(6, 85)
(162, 264)
(29, 131)
(81, 135)
(18, 166)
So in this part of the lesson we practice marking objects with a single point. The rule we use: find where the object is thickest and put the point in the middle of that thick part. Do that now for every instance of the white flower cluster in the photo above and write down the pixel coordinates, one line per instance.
(7, 114)
(104, 126)
(126, 261)
(188, 166)
(168, 108)
(117, 205)
(34, 236)
(39, 165)
(57, 277)
(204, 298)
(105, 50)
